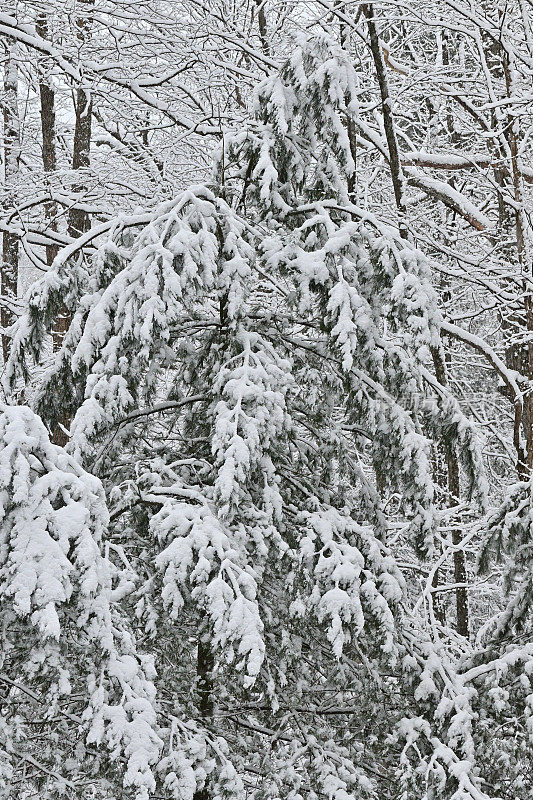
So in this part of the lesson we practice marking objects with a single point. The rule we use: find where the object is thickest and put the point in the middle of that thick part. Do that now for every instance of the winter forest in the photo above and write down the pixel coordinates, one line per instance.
(266, 404)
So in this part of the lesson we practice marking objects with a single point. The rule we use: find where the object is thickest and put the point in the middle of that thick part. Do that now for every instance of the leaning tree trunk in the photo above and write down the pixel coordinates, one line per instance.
(10, 242)
(388, 119)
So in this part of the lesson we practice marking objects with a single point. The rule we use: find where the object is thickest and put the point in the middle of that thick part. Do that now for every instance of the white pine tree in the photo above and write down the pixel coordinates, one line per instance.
(250, 377)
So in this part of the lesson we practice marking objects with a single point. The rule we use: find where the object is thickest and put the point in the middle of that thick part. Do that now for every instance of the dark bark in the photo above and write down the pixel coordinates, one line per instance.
(48, 132)
(10, 242)
(79, 221)
(459, 565)
(262, 24)
(450, 482)
(388, 120)
(205, 664)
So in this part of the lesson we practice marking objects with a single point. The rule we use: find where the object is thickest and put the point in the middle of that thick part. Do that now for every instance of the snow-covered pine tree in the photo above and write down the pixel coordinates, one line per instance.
(250, 379)
(71, 675)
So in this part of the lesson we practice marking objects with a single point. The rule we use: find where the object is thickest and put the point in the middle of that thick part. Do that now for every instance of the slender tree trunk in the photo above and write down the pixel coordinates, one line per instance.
(10, 242)
(48, 132)
(459, 565)
(452, 464)
(388, 120)
(512, 134)
(351, 180)
(79, 221)
(205, 664)
(451, 484)
(262, 25)
(49, 150)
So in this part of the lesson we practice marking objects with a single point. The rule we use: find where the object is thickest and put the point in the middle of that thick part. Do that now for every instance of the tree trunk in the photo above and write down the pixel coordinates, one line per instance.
(48, 132)
(388, 120)
(452, 462)
(439, 363)
(205, 664)
(459, 565)
(262, 25)
(452, 485)
(49, 150)
(79, 221)
(10, 242)
(351, 180)
(512, 134)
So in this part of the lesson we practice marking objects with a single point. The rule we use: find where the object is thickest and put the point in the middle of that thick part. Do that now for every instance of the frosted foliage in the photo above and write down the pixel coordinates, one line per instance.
(311, 96)
(268, 563)
(250, 416)
(205, 560)
(121, 329)
(381, 317)
(140, 305)
(509, 535)
(55, 580)
(355, 582)
(53, 518)
(192, 761)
